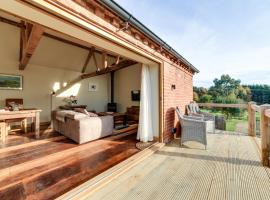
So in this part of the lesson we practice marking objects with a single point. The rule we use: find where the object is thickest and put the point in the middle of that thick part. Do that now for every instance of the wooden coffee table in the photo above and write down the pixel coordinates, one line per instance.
(116, 117)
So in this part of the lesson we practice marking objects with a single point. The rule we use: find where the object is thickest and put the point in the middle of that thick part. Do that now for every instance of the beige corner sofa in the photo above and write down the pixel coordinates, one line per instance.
(80, 127)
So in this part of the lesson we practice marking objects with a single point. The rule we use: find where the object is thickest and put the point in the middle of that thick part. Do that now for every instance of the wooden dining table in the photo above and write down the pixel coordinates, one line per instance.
(33, 114)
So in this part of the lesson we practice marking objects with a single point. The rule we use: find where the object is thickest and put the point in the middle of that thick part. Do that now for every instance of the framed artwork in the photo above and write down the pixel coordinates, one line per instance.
(11, 82)
(93, 87)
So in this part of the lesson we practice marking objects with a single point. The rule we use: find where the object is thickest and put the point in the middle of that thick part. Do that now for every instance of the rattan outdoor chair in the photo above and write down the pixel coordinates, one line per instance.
(194, 110)
(192, 128)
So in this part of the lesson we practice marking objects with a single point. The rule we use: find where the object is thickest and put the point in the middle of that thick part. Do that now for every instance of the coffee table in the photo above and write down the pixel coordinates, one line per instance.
(116, 117)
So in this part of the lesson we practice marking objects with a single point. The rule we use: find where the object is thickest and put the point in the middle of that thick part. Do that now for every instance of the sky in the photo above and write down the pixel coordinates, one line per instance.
(216, 36)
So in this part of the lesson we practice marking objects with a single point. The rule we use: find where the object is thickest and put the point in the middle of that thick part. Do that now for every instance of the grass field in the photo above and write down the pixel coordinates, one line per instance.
(236, 123)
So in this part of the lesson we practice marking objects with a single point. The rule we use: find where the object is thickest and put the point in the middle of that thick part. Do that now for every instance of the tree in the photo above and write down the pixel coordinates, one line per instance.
(231, 99)
(224, 86)
(206, 98)
(244, 92)
(260, 93)
(200, 90)
(195, 96)
(226, 90)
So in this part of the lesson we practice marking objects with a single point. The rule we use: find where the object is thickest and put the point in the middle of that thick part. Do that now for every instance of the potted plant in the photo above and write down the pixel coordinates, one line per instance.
(71, 100)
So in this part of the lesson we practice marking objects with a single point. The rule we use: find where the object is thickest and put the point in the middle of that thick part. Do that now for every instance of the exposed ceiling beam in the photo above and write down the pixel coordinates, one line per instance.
(95, 61)
(11, 22)
(22, 40)
(20, 25)
(29, 43)
(117, 60)
(89, 56)
(113, 67)
(104, 60)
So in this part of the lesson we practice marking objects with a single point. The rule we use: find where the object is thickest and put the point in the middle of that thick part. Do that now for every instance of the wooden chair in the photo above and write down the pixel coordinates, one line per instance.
(9, 122)
(133, 114)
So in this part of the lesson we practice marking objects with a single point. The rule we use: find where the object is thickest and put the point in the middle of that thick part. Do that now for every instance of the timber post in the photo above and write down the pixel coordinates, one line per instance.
(264, 129)
(251, 119)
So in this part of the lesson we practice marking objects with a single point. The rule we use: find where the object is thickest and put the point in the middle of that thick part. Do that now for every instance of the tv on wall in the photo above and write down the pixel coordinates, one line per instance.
(135, 95)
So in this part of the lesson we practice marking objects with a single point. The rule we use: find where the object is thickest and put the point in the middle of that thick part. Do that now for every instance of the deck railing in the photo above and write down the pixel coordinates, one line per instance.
(252, 108)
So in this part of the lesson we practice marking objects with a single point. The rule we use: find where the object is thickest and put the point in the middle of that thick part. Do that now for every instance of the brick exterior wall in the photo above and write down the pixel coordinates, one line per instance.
(181, 96)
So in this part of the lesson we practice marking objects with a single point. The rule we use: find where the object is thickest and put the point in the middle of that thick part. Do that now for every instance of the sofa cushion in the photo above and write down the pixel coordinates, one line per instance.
(81, 110)
(62, 114)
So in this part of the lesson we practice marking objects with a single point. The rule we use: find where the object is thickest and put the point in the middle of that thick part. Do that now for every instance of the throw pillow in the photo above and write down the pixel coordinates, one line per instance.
(92, 114)
(81, 110)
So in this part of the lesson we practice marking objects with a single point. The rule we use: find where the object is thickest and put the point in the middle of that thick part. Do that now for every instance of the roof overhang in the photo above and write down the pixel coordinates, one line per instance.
(126, 16)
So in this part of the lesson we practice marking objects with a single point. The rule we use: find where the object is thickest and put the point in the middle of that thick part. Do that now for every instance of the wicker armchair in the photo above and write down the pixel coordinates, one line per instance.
(193, 128)
(194, 110)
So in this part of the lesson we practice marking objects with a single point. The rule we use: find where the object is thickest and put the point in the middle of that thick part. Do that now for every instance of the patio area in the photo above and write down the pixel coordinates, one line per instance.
(230, 168)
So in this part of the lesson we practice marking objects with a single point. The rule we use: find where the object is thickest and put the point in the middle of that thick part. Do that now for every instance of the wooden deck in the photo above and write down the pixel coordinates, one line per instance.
(48, 167)
(229, 169)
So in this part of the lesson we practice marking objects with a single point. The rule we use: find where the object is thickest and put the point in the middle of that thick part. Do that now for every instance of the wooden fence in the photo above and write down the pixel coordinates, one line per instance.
(252, 108)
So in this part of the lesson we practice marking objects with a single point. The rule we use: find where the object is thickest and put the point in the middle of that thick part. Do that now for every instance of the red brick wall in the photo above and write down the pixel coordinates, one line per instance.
(180, 97)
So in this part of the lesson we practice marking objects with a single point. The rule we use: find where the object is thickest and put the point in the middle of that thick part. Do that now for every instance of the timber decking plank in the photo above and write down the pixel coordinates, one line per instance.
(229, 169)
(219, 184)
(115, 191)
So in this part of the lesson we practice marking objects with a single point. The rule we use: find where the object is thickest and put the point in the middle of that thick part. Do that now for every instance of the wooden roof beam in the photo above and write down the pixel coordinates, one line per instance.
(89, 56)
(117, 60)
(104, 60)
(113, 67)
(30, 37)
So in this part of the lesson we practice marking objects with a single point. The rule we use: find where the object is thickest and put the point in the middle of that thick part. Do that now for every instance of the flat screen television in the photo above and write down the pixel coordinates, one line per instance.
(135, 95)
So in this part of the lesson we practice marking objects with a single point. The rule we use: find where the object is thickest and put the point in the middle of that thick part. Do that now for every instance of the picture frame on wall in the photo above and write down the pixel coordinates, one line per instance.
(11, 82)
(93, 87)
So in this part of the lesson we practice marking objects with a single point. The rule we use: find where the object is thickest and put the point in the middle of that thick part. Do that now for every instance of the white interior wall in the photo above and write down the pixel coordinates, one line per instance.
(126, 80)
(40, 74)
(130, 79)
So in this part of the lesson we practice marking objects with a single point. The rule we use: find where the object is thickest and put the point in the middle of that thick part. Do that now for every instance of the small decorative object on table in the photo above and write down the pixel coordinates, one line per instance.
(15, 107)
(70, 101)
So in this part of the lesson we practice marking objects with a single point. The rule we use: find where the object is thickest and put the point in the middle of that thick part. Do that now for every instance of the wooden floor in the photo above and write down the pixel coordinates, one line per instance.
(229, 169)
(53, 165)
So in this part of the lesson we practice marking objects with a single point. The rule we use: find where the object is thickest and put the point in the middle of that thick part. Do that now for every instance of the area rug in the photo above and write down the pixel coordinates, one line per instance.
(143, 145)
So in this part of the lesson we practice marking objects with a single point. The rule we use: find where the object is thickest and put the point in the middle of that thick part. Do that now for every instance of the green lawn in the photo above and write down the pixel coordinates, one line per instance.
(233, 122)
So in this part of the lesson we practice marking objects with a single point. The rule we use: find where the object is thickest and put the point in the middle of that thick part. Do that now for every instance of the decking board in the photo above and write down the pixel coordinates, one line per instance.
(229, 169)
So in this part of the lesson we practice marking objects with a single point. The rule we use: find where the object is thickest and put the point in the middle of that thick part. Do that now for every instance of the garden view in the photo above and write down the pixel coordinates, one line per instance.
(227, 90)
